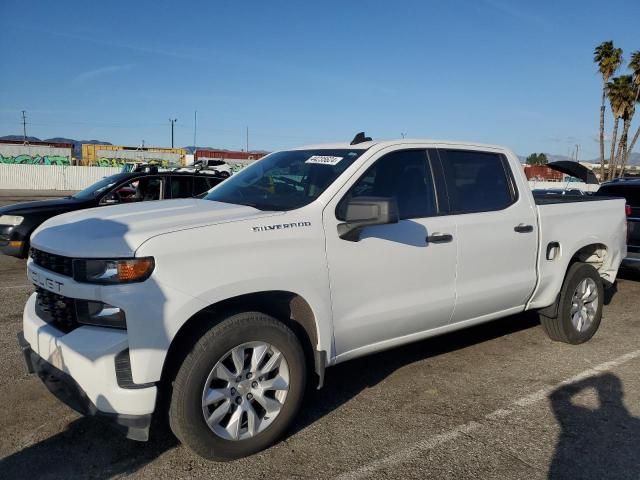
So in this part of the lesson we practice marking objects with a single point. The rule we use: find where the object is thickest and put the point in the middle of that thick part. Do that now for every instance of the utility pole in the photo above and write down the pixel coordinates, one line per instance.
(195, 129)
(24, 126)
(247, 139)
(172, 120)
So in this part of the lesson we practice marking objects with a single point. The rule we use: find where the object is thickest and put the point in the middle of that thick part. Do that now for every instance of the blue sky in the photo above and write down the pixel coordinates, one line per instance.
(518, 73)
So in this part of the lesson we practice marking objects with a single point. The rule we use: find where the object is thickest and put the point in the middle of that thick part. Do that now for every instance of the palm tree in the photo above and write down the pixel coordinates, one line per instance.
(634, 66)
(608, 58)
(628, 100)
(622, 92)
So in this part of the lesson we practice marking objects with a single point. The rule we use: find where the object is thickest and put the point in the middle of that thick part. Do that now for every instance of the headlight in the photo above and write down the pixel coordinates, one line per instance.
(11, 220)
(100, 314)
(109, 272)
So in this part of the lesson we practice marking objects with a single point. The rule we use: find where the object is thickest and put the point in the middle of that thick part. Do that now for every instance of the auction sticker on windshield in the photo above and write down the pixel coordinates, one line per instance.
(324, 160)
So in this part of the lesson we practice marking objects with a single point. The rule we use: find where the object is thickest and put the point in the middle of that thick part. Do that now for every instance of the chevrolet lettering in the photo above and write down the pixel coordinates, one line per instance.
(45, 282)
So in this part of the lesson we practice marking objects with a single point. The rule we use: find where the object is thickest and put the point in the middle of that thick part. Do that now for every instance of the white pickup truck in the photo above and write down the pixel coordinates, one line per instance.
(220, 312)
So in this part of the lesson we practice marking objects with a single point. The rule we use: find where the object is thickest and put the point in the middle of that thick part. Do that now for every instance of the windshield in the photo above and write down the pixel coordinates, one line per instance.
(97, 188)
(285, 180)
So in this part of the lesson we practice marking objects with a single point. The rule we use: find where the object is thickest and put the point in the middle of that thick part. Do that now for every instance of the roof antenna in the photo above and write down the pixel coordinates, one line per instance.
(360, 138)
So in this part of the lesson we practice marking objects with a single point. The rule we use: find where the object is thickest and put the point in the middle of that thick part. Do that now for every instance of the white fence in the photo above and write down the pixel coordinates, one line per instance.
(50, 177)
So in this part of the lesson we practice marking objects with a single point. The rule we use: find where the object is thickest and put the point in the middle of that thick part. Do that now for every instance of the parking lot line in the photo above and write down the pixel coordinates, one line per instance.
(434, 441)
(15, 286)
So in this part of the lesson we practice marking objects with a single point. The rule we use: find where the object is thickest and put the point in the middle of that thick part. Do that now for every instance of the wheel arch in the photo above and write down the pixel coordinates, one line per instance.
(285, 306)
(593, 254)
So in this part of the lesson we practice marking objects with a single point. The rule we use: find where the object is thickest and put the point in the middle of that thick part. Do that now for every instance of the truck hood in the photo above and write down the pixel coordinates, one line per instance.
(43, 206)
(118, 231)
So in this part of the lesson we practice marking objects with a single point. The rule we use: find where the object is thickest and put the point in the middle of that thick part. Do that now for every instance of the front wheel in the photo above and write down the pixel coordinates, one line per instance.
(579, 308)
(239, 387)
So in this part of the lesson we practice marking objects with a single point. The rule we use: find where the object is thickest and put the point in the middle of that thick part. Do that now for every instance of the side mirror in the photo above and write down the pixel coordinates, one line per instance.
(363, 212)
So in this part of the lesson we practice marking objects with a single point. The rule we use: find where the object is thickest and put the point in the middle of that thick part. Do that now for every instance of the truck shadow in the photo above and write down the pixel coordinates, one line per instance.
(595, 443)
(346, 380)
(88, 448)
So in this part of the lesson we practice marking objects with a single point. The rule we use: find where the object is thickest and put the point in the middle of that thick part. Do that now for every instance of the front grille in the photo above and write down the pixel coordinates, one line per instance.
(53, 262)
(56, 310)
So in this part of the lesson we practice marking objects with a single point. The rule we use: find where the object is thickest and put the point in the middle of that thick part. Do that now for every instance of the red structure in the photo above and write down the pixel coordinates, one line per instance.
(45, 144)
(228, 155)
(543, 173)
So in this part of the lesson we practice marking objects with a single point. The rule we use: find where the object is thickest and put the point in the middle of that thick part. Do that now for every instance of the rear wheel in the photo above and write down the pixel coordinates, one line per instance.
(239, 387)
(579, 307)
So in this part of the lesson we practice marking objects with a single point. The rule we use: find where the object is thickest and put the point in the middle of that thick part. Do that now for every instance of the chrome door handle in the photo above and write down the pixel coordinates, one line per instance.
(439, 238)
(522, 228)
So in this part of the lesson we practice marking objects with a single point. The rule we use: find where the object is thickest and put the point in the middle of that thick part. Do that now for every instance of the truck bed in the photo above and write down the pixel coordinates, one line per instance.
(571, 223)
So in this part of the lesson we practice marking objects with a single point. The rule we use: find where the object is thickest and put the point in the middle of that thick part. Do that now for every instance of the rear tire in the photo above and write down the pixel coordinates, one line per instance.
(235, 424)
(579, 306)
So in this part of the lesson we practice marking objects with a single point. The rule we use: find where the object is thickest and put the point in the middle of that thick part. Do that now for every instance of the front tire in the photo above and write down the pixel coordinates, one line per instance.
(579, 306)
(239, 387)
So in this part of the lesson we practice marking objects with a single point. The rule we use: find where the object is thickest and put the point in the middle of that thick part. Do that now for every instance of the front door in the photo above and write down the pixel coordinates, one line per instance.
(393, 282)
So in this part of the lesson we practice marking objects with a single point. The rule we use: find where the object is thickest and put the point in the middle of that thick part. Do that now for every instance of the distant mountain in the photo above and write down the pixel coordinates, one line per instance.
(20, 138)
(77, 144)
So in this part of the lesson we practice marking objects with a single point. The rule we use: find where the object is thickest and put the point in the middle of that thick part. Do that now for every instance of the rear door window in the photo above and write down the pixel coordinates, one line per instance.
(477, 181)
(181, 186)
(204, 183)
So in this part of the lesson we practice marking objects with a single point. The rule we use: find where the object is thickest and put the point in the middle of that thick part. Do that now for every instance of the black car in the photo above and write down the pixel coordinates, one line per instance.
(18, 221)
(629, 189)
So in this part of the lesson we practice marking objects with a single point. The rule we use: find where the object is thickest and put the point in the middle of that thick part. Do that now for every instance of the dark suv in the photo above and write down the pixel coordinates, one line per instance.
(628, 188)
(18, 221)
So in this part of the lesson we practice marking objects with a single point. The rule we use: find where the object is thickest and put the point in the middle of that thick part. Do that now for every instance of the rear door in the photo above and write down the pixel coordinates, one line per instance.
(497, 234)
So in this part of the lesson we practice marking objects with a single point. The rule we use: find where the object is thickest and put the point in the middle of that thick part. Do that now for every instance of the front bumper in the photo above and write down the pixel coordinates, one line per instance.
(82, 366)
(67, 390)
